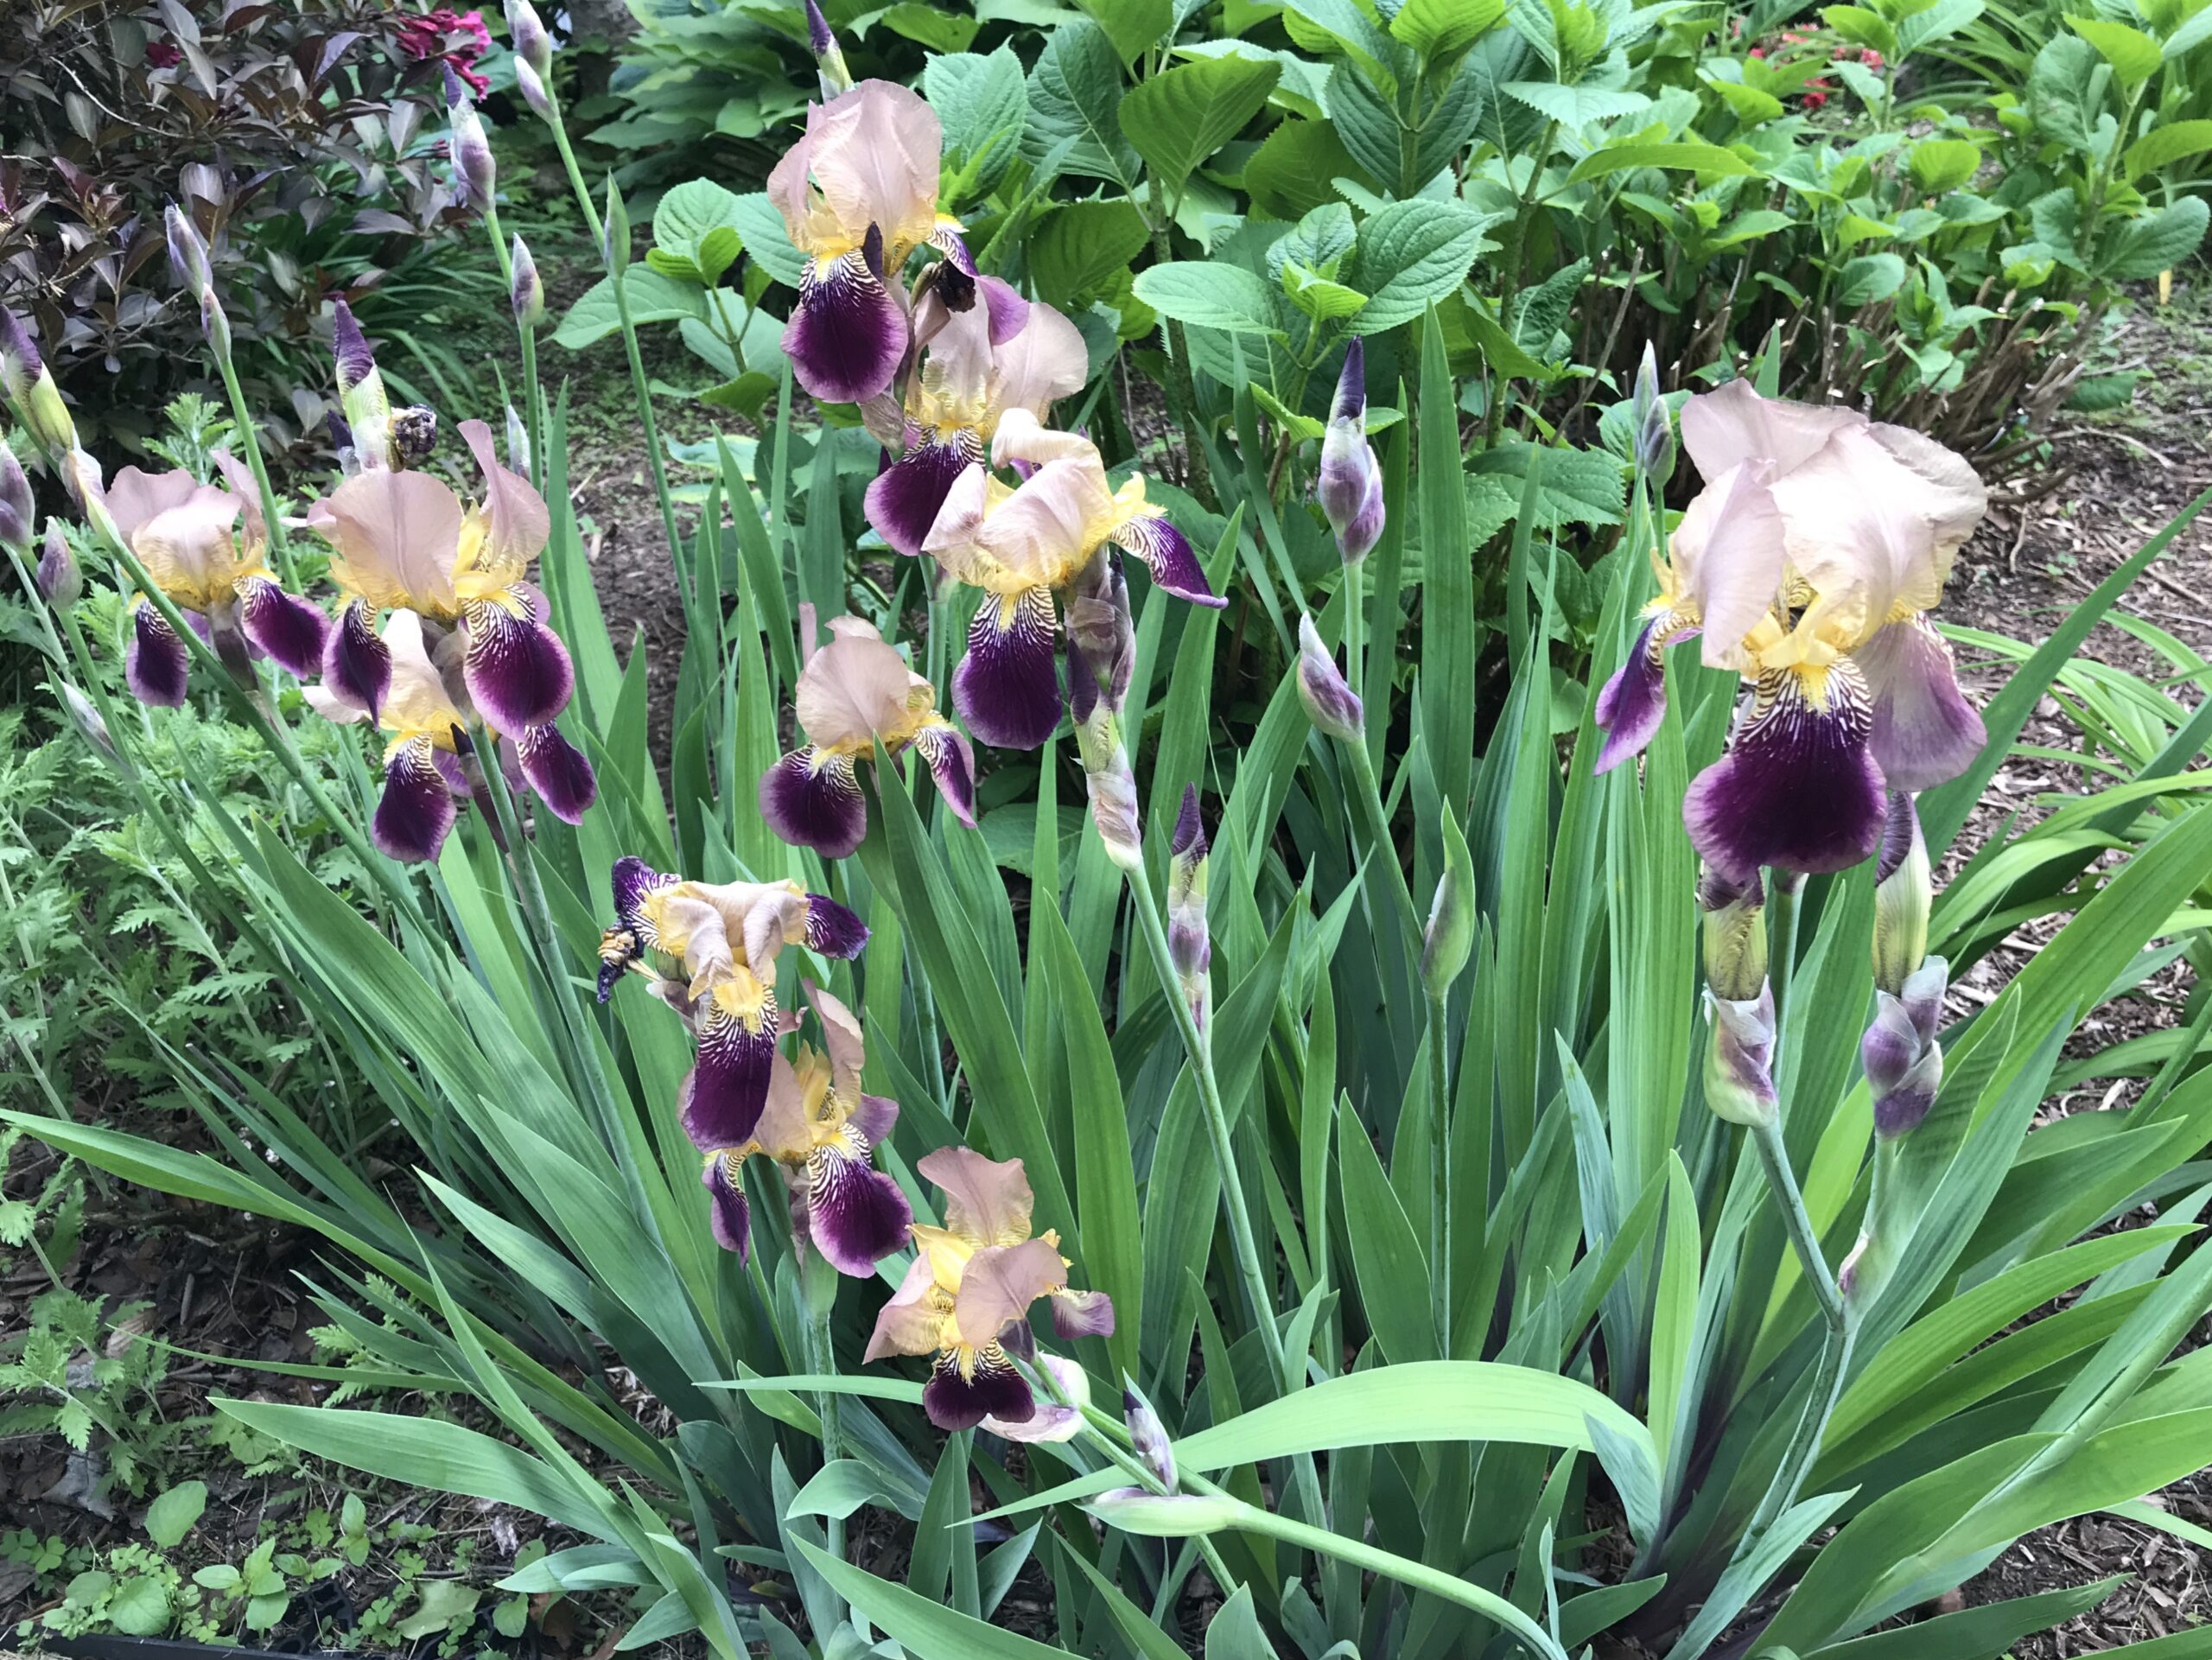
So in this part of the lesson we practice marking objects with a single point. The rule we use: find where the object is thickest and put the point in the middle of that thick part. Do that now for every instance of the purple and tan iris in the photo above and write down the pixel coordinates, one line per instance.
(858, 194)
(205, 548)
(1002, 352)
(854, 693)
(819, 1130)
(403, 543)
(1809, 563)
(966, 1299)
(724, 939)
(1021, 545)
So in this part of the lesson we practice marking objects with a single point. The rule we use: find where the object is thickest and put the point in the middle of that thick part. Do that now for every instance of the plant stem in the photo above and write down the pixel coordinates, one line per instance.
(526, 335)
(1200, 1049)
(1440, 1170)
(1379, 849)
(592, 221)
(242, 418)
(1836, 1349)
(1354, 595)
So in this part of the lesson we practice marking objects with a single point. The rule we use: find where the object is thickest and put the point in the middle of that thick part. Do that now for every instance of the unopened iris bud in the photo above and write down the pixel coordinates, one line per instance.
(518, 442)
(1654, 427)
(527, 294)
(472, 150)
(360, 390)
(526, 34)
(1449, 938)
(1904, 892)
(25, 376)
(1350, 484)
(1172, 1515)
(1189, 947)
(15, 508)
(1739, 1059)
(214, 321)
(187, 250)
(614, 232)
(1735, 934)
(1107, 776)
(60, 581)
(1102, 637)
(1331, 705)
(828, 56)
(530, 83)
(1903, 1062)
(1147, 1435)
(87, 720)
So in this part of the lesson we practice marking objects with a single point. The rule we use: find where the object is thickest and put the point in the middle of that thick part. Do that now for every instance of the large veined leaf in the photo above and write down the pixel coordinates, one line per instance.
(1178, 118)
(1208, 295)
(654, 297)
(1412, 254)
(1075, 100)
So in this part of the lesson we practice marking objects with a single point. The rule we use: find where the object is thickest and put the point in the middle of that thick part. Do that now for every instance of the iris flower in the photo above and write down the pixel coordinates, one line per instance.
(967, 1297)
(402, 541)
(1350, 485)
(1808, 563)
(1021, 545)
(819, 1129)
(204, 547)
(858, 194)
(726, 936)
(853, 693)
(1003, 353)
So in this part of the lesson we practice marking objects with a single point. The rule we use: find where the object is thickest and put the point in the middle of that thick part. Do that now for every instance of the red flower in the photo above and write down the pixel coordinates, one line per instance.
(164, 54)
(426, 34)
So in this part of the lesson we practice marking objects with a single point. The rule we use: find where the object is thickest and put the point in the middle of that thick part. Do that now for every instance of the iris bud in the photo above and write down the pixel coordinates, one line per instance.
(87, 720)
(1735, 935)
(518, 442)
(1331, 705)
(188, 249)
(1102, 637)
(1172, 1515)
(614, 232)
(828, 56)
(1147, 1435)
(1903, 1062)
(527, 293)
(526, 33)
(1903, 892)
(1351, 483)
(360, 389)
(15, 508)
(1450, 935)
(1189, 947)
(24, 374)
(472, 150)
(530, 83)
(214, 323)
(1739, 1059)
(1655, 428)
(60, 581)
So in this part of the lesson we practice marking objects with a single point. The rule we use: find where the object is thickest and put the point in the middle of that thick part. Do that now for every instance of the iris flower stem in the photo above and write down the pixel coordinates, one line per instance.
(1439, 1169)
(598, 228)
(824, 1361)
(526, 337)
(1355, 598)
(1836, 1348)
(1103, 1432)
(1378, 830)
(1242, 1240)
(250, 438)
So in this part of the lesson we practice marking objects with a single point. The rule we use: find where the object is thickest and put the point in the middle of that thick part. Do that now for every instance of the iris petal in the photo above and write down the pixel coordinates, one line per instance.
(416, 810)
(856, 1214)
(1168, 555)
(832, 930)
(958, 1399)
(812, 799)
(285, 628)
(517, 671)
(952, 765)
(1007, 686)
(356, 663)
(847, 335)
(1633, 703)
(728, 1214)
(1083, 1313)
(557, 772)
(1797, 788)
(1925, 733)
(722, 1096)
(904, 498)
(156, 665)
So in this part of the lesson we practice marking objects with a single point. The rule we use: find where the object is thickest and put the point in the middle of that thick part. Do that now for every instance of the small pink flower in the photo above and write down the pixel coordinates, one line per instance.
(164, 54)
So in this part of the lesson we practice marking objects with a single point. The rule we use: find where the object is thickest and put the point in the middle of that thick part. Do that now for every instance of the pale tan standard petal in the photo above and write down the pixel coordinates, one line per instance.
(987, 1202)
(1733, 424)
(1728, 553)
(855, 689)
(394, 536)
(999, 1283)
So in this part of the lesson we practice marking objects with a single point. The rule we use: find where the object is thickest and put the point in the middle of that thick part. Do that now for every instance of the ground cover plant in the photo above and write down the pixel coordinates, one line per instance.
(1286, 984)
